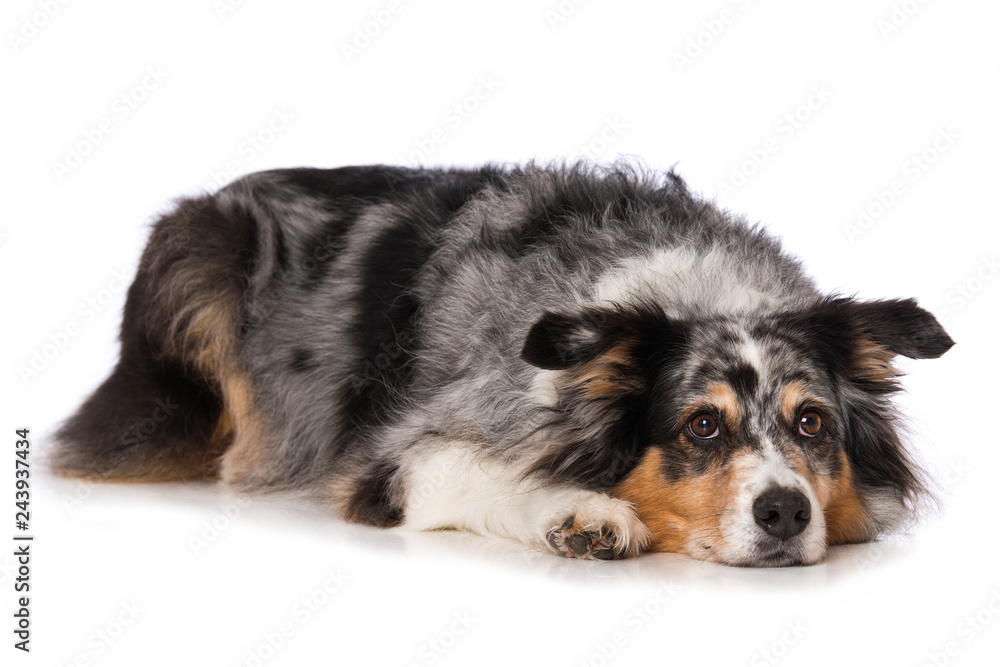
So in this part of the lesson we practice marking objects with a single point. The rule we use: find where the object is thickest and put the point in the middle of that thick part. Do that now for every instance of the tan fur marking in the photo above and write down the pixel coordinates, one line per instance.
(608, 375)
(723, 397)
(675, 512)
(873, 362)
(846, 520)
(222, 436)
(209, 342)
(163, 471)
(793, 396)
(796, 395)
(246, 455)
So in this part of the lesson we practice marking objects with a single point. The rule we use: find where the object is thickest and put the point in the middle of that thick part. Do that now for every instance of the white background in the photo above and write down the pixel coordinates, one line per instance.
(608, 78)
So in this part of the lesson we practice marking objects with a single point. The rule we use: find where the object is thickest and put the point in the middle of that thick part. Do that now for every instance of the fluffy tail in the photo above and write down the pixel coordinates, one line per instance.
(173, 402)
(144, 423)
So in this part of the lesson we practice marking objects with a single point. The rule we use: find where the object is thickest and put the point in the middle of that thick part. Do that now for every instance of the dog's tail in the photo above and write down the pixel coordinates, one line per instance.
(177, 394)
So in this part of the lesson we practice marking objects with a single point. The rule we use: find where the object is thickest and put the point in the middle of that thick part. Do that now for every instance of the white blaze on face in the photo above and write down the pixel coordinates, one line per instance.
(753, 355)
(756, 473)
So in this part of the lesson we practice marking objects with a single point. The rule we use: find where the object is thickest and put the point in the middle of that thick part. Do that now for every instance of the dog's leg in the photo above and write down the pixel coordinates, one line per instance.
(457, 487)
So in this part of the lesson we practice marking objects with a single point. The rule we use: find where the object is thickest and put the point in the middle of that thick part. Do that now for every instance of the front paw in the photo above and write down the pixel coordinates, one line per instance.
(571, 541)
(601, 529)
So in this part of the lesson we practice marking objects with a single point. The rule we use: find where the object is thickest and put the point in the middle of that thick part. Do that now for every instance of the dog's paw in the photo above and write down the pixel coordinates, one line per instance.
(600, 528)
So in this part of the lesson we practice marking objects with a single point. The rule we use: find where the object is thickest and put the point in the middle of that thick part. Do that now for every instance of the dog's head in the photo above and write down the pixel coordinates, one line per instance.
(752, 441)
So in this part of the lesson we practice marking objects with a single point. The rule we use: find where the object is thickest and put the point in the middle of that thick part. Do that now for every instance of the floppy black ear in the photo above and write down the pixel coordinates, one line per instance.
(861, 339)
(904, 327)
(608, 355)
(561, 340)
(899, 325)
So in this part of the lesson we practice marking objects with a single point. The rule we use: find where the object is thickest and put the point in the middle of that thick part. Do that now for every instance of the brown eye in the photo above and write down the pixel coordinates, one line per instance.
(810, 423)
(704, 426)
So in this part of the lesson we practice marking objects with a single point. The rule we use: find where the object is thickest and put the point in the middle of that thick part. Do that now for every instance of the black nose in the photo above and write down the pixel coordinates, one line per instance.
(783, 513)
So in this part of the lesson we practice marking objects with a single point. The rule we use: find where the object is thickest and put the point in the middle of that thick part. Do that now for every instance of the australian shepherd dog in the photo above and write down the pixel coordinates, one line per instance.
(588, 360)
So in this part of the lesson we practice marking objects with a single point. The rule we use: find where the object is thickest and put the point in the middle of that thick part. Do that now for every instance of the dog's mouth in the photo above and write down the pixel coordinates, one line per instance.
(776, 553)
(779, 558)
(764, 553)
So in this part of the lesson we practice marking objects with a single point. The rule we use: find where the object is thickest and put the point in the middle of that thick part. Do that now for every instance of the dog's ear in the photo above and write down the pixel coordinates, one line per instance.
(860, 340)
(562, 340)
(901, 326)
(898, 326)
(607, 354)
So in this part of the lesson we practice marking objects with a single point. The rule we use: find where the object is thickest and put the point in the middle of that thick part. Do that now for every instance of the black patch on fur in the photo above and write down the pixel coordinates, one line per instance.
(281, 249)
(348, 192)
(877, 456)
(614, 198)
(386, 310)
(302, 360)
(323, 247)
(728, 338)
(545, 220)
(372, 501)
(384, 329)
(744, 381)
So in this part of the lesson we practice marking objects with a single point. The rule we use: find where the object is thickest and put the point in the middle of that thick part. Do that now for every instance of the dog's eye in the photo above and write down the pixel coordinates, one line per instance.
(704, 426)
(810, 423)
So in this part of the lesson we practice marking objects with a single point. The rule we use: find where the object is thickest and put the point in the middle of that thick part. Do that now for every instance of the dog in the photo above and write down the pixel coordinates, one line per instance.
(589, 360)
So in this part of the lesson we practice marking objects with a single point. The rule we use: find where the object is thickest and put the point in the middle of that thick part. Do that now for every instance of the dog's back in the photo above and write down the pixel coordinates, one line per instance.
(310, 308)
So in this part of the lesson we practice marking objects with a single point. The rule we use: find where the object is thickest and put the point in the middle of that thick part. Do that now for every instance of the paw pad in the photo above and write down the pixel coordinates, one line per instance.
(574, 541)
